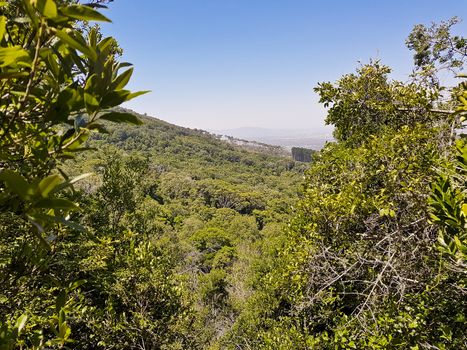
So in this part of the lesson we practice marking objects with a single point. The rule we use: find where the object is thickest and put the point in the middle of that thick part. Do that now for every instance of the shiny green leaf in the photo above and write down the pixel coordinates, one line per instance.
(119, 117)
(122, 80)
(98, 127)
(56, 203)
(48, 184)
(136, 94)
(21, 322)
(91, 103)
(12, 55)
(84, 13)
(47, 8)
(2, 26)
(17, 184)
(75, 44)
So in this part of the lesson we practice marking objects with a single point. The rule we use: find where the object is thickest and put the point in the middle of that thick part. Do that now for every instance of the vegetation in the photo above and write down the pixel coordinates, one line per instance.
(117, 236)
(302, 154)
(362, 267)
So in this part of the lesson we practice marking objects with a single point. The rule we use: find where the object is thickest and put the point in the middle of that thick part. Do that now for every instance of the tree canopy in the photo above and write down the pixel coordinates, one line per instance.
(114, 236)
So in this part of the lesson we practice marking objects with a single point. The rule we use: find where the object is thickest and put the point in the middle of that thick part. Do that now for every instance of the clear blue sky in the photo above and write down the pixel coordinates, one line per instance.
(217, 64)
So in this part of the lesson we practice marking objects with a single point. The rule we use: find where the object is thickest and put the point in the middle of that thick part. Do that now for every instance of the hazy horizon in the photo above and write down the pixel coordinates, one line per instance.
(256, 133)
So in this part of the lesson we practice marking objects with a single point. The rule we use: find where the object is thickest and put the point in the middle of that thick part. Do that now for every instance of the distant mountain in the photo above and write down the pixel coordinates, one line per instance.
(288, 138)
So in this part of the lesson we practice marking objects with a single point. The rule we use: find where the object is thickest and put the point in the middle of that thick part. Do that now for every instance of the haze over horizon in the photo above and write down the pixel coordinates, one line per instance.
(224, 65)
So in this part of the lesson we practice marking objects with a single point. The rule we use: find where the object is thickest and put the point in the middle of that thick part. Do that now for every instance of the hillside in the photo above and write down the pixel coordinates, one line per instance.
(208, 205)
(201, 155)
(156, 133)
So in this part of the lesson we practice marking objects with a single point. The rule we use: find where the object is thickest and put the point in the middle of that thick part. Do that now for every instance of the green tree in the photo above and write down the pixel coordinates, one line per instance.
(58, 79)
(436, 48)
(368, 102)
(358, 268)
(449, 204)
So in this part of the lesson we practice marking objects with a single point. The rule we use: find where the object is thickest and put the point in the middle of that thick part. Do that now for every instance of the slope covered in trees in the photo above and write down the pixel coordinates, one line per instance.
(153, 236)
(152, 250)
(205, 204)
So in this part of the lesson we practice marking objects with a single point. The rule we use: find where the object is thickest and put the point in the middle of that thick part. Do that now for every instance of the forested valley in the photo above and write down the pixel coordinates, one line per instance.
(122, 231)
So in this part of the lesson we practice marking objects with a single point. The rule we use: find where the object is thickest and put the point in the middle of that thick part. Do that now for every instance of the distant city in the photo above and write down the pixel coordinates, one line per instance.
(287, 138)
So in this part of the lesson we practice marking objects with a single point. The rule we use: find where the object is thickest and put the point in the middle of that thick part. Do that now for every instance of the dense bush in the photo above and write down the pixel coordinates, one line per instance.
(176, 240)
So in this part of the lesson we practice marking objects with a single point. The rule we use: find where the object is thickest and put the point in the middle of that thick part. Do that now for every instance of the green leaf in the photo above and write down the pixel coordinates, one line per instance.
(40, 229)
(2, 26)
(17, 184)
(91, 103)
(84, 13)
(47, 8)
(21, 20)
(123, 64)
(75, 44)
(55, 203)
(122, 80)
(38, 233)
(76, 284)
(64, 331)
(119, 117)
(98, 127)
(61, 300)
(70, 224)
(91, 83)
(114, 98)
(13, 75)
(48, 184)
(31, 13)
(57, 219)
(80, 177)
(52, 64)
(21, 322)
(67, 136)
(105, 44)
(68, 99)
(92, 37)
(12, 55)
(78, 142)
(136, 94)
(61, 317)
(69, 183)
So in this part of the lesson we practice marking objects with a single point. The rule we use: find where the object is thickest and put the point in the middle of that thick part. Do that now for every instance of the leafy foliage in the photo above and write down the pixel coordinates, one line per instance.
(302, 154)
(163, 237)
(358, 267)
(435, 49)
(52, 75)
(59, 77)
(369, 102)
(449, 205)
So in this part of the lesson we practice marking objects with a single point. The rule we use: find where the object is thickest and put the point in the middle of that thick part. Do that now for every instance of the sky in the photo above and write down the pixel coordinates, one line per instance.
(224, 64)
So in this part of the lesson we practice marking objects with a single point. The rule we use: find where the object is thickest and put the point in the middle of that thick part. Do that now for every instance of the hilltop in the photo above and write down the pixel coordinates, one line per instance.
(171, 145)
